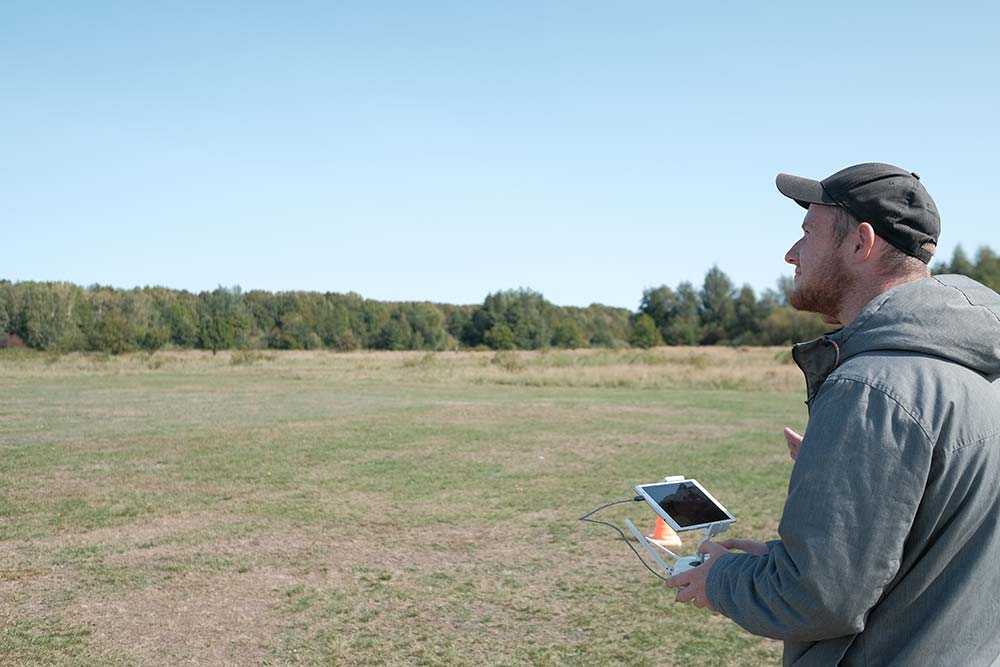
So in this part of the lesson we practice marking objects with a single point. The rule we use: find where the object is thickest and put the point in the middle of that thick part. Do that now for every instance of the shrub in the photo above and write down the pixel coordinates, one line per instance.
(507, 360)
(113, 335)
(248, 357)
(644, 333)
(11, 342)
(500, 337)
(567, 334)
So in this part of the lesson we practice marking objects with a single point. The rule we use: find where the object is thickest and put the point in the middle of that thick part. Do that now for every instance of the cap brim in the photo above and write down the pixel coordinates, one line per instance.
(804, 191)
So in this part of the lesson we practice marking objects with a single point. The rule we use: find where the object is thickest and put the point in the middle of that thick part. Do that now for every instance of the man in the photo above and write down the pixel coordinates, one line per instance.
(889, 549)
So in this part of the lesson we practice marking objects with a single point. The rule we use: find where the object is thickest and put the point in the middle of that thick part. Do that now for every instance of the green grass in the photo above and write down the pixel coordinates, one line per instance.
(370, 509)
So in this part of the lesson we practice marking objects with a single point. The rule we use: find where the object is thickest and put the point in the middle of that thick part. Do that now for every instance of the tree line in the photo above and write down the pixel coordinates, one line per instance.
(719, 313)
(63, 317)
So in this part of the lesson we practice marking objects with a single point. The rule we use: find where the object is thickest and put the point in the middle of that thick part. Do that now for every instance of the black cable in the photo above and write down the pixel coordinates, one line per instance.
(586, 517)
(605, 506)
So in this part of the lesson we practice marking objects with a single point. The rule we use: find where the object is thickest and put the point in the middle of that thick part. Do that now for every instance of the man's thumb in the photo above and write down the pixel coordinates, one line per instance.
(712, 548)
(792, 438)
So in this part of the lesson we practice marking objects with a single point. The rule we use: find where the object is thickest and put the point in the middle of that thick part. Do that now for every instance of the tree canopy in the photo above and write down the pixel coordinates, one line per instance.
(63, 317)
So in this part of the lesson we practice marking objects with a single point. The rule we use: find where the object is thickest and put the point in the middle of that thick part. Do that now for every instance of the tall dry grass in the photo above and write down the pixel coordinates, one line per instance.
(745, 368)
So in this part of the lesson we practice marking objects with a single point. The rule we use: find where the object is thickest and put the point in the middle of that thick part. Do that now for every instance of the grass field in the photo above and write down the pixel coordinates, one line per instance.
(371, 508)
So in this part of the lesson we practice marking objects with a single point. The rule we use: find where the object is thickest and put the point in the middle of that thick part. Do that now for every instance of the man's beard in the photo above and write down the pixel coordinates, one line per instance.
(824, 293)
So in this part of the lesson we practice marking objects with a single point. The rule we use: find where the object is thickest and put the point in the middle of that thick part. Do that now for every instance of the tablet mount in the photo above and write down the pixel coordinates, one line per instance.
(681, 563)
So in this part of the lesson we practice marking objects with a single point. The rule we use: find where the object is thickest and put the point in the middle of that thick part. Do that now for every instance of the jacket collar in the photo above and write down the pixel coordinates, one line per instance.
(817, 359)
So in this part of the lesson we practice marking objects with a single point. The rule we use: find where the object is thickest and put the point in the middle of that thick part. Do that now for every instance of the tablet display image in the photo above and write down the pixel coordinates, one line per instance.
(684, 504)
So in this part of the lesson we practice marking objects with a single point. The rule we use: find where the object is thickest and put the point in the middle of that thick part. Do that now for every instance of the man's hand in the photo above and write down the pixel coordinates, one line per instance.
(749, 546)
(692, 582)
(794, 441)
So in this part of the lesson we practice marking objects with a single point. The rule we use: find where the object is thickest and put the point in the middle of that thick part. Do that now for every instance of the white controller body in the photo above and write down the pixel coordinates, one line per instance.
(686, 563)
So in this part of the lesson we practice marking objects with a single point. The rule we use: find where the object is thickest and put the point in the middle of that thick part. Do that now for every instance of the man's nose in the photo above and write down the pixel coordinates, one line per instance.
(792, 256)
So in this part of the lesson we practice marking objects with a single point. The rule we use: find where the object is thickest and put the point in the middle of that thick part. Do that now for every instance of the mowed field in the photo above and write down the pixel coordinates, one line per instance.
(314, 508)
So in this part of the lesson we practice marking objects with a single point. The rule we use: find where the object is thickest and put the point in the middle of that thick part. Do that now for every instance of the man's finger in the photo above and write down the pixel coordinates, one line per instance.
(794, 441)
(712, 549)
(685, 594)
(678, 580)
(742, 545)
(792, 437)
(702, 602)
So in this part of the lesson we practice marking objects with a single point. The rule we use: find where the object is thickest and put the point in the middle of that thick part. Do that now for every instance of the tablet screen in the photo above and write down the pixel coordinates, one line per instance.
(686, 503)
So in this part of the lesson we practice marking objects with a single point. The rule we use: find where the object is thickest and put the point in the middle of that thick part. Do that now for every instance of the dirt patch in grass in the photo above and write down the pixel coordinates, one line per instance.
(226, 619)
(177, 589)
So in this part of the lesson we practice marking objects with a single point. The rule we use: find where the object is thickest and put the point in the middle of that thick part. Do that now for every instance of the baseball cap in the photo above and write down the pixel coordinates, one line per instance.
(892, 200)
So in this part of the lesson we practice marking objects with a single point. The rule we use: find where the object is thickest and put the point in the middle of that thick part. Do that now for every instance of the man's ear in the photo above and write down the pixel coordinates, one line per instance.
(865, 240)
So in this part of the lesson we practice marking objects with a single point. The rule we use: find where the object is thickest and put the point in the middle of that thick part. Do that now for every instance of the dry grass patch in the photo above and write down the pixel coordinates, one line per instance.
(227, 619)
(665, 367)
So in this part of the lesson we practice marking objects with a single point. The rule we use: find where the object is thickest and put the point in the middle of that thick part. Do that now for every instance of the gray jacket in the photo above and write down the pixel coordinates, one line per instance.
(890, 539)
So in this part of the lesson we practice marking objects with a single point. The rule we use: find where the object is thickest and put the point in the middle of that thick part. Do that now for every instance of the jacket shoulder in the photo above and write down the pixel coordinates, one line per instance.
(945, 398)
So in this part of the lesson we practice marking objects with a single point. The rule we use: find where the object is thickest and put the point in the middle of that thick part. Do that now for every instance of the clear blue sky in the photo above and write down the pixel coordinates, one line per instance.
(444, 150)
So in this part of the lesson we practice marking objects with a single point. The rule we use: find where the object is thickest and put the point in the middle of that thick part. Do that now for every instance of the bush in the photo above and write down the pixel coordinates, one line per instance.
(248, 357)
(426, 360)
(507, 360)
(13, 341)
(644, 333)
(113, 335)
(567, 334)
(155, 338)
(500, 337)
(345, 342)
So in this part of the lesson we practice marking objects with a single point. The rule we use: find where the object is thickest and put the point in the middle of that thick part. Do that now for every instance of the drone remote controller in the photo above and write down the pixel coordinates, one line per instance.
(681, 563)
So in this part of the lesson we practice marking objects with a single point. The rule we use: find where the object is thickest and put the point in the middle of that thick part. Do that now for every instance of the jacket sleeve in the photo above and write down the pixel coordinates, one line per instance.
(852, 498)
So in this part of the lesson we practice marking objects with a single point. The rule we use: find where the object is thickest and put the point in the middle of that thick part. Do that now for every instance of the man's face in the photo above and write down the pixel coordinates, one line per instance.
(821, 276)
